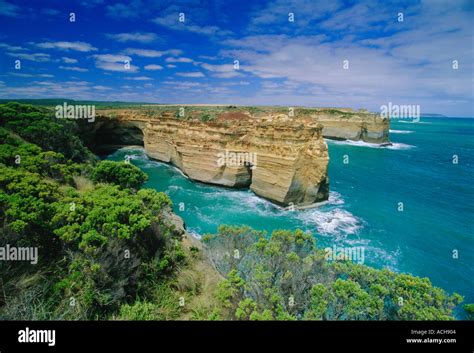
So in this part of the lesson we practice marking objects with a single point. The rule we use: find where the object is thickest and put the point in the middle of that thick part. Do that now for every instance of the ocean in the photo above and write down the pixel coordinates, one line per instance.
(409, 205)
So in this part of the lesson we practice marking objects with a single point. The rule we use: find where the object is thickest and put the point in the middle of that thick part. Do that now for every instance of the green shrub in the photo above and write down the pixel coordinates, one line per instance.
(125, 175)
(271, 270)
(38, 125)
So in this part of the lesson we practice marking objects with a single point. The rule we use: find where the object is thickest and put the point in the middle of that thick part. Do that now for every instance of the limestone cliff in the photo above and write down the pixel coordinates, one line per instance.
(354, 126)
(289, 157)
(342, 123)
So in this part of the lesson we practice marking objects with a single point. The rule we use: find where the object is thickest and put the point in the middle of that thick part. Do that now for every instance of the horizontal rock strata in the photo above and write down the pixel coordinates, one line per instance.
(278, 152)
(282, 160)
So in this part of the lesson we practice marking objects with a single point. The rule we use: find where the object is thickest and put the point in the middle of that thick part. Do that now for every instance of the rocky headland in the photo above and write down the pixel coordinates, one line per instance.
(279, 154)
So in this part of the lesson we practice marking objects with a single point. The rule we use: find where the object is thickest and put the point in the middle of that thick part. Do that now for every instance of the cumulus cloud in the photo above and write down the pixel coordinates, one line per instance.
(153, 67)
(190, 74)
(139, 78)
(408, 65)
(9, 47)
(113, 62)
(150, 53)
(171, 21)
(77, 46)
(69, 60)
(20, 74)
(179, 60)
(134, 37)
(38, 57)
(221, 71)
(130, 10)
(73, 68)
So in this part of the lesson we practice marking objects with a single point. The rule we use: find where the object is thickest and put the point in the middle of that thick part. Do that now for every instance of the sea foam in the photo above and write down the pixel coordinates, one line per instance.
(391, 146)
(401, 131)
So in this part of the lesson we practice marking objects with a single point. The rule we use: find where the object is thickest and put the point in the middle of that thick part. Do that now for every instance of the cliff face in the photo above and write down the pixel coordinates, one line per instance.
(280, 156)
(280, 159)
(357, 126)
(343, 124)
(285, 163)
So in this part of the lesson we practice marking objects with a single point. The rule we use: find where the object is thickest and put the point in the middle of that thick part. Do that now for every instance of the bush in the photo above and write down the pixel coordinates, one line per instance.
(99, 246)
(286, 277)
(125, 175)
(39, 125)
(469, 309)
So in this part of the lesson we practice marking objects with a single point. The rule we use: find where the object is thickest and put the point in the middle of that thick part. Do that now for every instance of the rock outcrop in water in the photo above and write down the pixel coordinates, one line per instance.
(355, 126)
(280, 155)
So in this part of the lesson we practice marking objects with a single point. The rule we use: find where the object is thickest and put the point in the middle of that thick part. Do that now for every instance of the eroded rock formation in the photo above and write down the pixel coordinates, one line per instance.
(288, 163)
(289, 158)
(281, 156)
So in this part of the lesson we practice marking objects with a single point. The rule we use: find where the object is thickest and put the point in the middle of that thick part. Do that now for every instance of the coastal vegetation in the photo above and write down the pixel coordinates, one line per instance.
(110, 249)
(284, 276)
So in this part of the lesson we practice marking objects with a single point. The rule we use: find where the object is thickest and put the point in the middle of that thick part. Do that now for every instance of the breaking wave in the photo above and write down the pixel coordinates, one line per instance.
(401, 131)
(391, 146)
(336, 222)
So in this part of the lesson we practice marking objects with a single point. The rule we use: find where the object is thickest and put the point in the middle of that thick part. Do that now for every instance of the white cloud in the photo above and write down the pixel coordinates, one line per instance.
(139, 78)
(19, 74)
(208, 57)
(239, 83)
(171, 21)
(153, 67)
(102, 88)
(69, 60)
(130, 10)
(305, 11)
(229, 74)
(179, 60)
(412, 66)
(38, 57)
(9, 10)
(41, 89)
(190, 74)
(170, 66)
(222, 71)
(134, 37)
(113, 62)
(186, 84)
(150, 53)
(77, 46)
(112, 58)
(10, 47)
(73, 68)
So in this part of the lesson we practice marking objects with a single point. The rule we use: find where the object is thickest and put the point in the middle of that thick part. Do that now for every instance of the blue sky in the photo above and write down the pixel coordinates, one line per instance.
(280, 62)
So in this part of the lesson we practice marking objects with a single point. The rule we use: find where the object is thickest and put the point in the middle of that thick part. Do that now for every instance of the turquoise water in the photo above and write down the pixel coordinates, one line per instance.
(363, 209)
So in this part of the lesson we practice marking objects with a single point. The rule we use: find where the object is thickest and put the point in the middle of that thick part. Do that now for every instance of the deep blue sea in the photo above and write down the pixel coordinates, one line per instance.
(364, 206)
